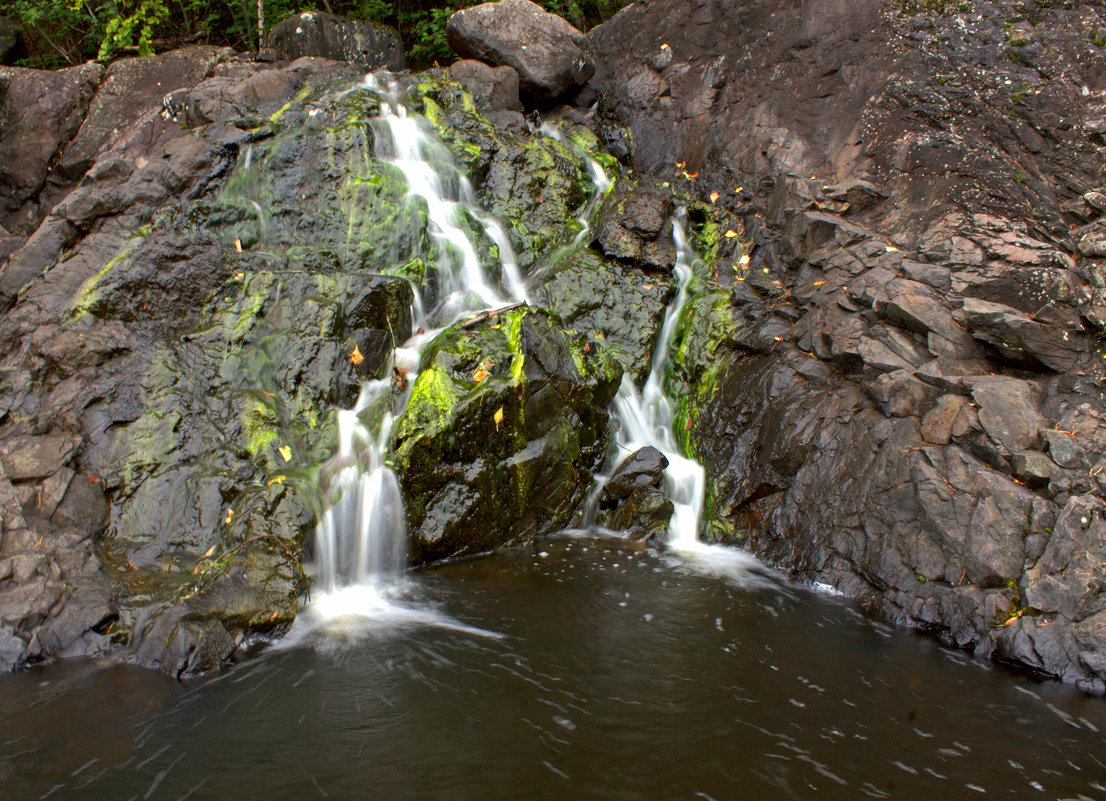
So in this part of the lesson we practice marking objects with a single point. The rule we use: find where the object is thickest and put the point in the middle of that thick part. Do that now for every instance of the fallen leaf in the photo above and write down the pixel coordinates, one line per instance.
(356, 359)
(731, 234)
(274, 480)
(480, 375)
(819, 283)
(230, 516)
(238, 245)
(687, 425)
(211, 550)
(744, 259)
(713, 197)
(498, 417)
(286, 452)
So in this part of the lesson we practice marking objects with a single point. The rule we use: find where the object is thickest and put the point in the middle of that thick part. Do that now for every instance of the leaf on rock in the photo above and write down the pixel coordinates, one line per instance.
(498, 417)
(286, 452)
(356, 359)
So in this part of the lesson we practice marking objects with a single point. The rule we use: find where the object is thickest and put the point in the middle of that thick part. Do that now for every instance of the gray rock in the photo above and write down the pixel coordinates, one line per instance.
(40, 112)
(1093, 242)
(493, 88)
(552, 57)
(30, 457)
(642, 468)
(1009, 411)
(633, 224)
(131, 88)
(368, 45)
(1017, 336)
(1065, 449)
(1068, 578)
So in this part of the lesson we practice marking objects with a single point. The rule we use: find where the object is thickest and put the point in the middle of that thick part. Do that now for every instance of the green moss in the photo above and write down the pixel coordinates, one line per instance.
(86, 298)
(430, 408)
(261, 426)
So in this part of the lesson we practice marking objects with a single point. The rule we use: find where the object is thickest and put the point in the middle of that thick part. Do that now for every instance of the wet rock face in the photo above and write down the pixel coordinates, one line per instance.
(551, 57)
(367, 45)
(506, 424)
(168, 383)
(901, 395)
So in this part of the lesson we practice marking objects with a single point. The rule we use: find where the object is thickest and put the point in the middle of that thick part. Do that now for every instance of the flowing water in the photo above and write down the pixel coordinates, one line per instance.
(361, 540)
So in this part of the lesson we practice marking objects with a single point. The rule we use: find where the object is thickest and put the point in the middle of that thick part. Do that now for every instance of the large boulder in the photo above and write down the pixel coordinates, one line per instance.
(506, 425)
(495, 88)
(367, 45)
(551, 57)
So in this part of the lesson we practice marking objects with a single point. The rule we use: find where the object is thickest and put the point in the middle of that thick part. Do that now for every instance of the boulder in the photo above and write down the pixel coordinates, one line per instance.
(551, 57)
(632, 501)
(506, 424)
(634, 225)
(368, 45)
(494, 88)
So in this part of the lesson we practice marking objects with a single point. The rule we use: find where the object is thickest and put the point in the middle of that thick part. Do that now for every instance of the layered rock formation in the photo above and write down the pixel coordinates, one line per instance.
(907, 397)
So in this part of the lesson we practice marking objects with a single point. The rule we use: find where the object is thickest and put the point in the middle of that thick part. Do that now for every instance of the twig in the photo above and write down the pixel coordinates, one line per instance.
(487, 315)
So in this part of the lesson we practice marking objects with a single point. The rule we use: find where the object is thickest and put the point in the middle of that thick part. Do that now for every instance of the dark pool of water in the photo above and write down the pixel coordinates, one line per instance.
(618, 675)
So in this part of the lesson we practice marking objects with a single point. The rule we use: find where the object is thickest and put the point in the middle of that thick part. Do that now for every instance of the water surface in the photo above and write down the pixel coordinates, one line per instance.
(575, 668)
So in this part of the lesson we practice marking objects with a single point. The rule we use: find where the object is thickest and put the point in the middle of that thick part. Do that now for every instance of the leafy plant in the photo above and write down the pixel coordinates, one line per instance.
(121, 31)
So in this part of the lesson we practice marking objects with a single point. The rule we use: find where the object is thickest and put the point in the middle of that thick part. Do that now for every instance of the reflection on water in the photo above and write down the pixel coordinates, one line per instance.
(616, 676)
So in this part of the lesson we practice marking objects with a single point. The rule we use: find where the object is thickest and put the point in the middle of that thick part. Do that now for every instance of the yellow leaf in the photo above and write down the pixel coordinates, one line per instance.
(818, 283)
(738, 190)
(211, 550)
(891, 249)
(713, 196)
(238, 245)
(230, 516)
(480, 375)
(498, 417)
(274, 480)
(731, 234)
(356, 358)
(744, 259)
(286, 452)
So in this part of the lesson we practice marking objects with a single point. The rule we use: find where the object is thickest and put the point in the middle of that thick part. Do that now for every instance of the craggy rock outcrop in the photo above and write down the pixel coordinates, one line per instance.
(505, 420)
(367, 45)
(171, 362)
(897, 390)
(231, 266)
(551, 57)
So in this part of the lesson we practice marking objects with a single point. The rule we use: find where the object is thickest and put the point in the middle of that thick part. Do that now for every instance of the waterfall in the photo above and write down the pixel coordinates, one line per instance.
(645, 418)
(361, 541)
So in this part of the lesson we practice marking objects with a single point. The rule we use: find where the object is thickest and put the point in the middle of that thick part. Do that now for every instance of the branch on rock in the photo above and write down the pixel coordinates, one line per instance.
(490, 313)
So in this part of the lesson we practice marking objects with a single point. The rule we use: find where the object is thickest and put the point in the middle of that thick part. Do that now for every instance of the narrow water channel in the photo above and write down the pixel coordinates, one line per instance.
(572, 668)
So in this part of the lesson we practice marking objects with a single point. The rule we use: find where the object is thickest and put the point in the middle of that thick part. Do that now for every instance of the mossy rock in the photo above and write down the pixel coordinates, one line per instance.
(506, 425)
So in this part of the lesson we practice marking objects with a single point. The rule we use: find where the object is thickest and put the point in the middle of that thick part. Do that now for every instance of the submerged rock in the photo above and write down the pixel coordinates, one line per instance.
(551, 57)
(506, 425)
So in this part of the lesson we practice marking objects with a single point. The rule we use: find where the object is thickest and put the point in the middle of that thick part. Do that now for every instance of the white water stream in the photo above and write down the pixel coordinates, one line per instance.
(361, 542)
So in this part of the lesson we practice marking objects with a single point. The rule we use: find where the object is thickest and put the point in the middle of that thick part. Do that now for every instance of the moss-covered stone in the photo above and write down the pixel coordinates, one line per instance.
(506, 424)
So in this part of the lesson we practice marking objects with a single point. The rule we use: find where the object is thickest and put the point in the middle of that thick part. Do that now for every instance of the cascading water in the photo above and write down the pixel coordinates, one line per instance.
(361, 540)
(645, 418)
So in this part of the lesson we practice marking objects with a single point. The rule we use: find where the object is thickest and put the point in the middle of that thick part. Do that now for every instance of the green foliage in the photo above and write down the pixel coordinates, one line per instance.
(121, 32)
(61, 33)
